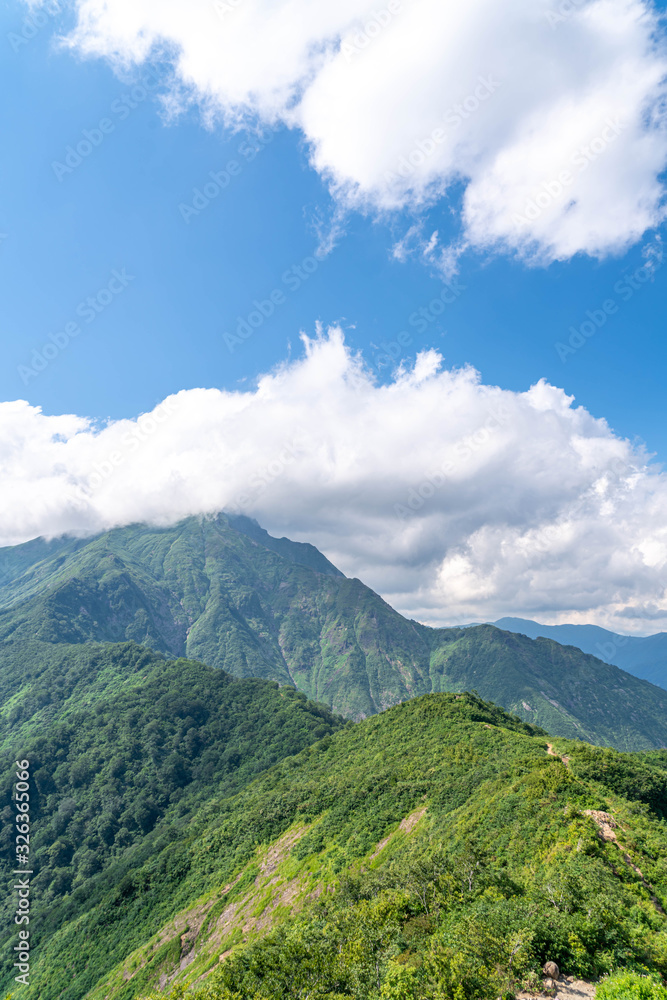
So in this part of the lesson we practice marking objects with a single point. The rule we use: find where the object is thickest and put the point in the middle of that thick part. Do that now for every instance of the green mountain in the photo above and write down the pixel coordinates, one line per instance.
(440, 849)
(222, 591)
(222, 832)
(124, 746)
(643, 656)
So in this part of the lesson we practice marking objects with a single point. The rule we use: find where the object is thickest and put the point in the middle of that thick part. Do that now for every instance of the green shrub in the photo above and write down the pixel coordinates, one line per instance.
(630, 986)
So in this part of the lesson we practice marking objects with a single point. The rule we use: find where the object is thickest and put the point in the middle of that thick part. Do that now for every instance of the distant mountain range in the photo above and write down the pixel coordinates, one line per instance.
(644, 657)
(222, 591)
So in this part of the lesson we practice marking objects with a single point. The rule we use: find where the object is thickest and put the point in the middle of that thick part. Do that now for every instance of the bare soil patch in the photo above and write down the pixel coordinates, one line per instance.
(407, 825)
(567, 988)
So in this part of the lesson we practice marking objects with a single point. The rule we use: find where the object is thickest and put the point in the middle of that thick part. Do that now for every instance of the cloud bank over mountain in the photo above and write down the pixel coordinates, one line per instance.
(543, 119)
(455, 500)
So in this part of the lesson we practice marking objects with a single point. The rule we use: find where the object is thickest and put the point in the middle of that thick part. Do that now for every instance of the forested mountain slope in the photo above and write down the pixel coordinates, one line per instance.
(643, 656)
(123, 747)
(442, 848)
(222, 591)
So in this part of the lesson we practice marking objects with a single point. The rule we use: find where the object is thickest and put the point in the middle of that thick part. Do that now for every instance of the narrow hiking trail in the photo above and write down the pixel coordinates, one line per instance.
(567, 988)
(552, 753)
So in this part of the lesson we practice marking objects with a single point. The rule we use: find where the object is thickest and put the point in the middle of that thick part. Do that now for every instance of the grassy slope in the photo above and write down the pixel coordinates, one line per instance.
(124, 746)
(430, 844)
(270, 608)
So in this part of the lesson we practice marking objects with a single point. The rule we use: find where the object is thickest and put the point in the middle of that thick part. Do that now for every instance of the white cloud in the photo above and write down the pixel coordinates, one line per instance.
(547, 114)
(455, 500)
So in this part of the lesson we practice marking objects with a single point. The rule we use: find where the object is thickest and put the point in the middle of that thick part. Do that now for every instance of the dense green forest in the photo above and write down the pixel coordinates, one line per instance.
(222, 591)
(436, 850)
(123, 747)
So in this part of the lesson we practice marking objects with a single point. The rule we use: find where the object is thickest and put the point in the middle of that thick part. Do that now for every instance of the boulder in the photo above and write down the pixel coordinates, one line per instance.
(551, 970)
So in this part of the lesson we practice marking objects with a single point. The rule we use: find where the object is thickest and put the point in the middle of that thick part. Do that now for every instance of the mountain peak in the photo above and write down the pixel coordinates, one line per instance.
(221, 590)
(300, 553)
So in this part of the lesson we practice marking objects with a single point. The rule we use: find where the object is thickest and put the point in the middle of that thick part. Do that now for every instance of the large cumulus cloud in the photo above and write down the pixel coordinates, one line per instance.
(544, 117)
(455, 500)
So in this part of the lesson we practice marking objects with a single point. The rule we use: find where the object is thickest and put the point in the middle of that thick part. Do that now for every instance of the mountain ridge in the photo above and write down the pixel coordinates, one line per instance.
(124, 746)
(194, 828)
(223, 592)
(642, 656)
(441, 845)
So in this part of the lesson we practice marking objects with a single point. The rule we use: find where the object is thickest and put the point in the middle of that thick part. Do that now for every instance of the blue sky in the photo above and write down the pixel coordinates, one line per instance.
(480, 182)
(192, 280)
